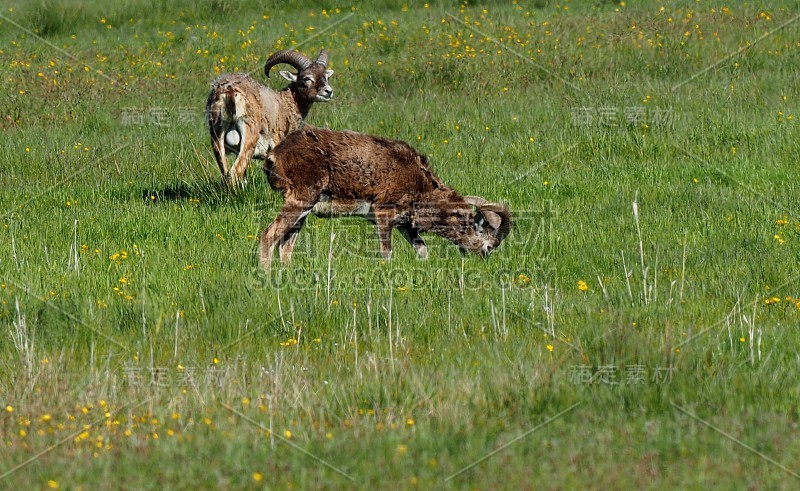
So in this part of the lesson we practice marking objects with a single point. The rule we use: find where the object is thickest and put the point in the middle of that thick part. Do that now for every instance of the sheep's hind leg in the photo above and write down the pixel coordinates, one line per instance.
(288, 240)
(411, 234)
(247, 147)
(218, 144)
(288, 223)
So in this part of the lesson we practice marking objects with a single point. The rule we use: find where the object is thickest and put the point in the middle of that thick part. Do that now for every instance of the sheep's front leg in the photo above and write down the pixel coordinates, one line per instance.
(247, 147)
(383, 220)
(411, 234)
(287, 224)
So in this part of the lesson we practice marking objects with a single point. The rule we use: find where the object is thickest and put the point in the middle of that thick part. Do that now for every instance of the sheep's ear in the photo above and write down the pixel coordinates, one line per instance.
(291, 77)
(328, 73)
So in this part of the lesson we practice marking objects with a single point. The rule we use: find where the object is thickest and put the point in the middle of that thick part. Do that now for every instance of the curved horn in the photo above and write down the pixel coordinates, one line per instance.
(493, 219)
(298, 60)
(322, 58)
(475, 201)
(498, 217)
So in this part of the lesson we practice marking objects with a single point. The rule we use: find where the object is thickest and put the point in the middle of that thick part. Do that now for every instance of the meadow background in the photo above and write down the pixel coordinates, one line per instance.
(638, 328)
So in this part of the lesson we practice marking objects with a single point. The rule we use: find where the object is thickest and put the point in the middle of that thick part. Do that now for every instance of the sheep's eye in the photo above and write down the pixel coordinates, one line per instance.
(307, 79)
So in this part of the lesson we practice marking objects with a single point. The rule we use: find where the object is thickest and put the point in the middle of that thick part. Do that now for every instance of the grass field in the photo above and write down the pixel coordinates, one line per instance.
(637, 329)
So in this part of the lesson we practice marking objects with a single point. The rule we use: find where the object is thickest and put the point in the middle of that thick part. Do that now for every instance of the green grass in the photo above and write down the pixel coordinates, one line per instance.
(131, 298)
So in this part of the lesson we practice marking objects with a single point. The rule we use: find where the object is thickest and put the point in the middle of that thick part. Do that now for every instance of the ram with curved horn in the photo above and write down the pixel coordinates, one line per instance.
(333, 173)
(249, 119)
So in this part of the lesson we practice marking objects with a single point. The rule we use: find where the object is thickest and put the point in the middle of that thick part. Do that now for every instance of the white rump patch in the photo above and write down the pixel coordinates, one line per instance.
(233, 138)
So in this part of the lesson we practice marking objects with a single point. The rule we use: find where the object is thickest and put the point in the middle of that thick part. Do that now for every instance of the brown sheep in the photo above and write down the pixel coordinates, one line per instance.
(332, 173)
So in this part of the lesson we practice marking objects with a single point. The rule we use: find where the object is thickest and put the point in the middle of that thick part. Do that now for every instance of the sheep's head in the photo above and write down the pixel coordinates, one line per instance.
(311, 79)
(472, 223)
(492, 224)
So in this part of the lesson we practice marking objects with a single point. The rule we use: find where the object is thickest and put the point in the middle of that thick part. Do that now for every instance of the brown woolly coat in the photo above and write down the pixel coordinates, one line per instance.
(343, 172)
